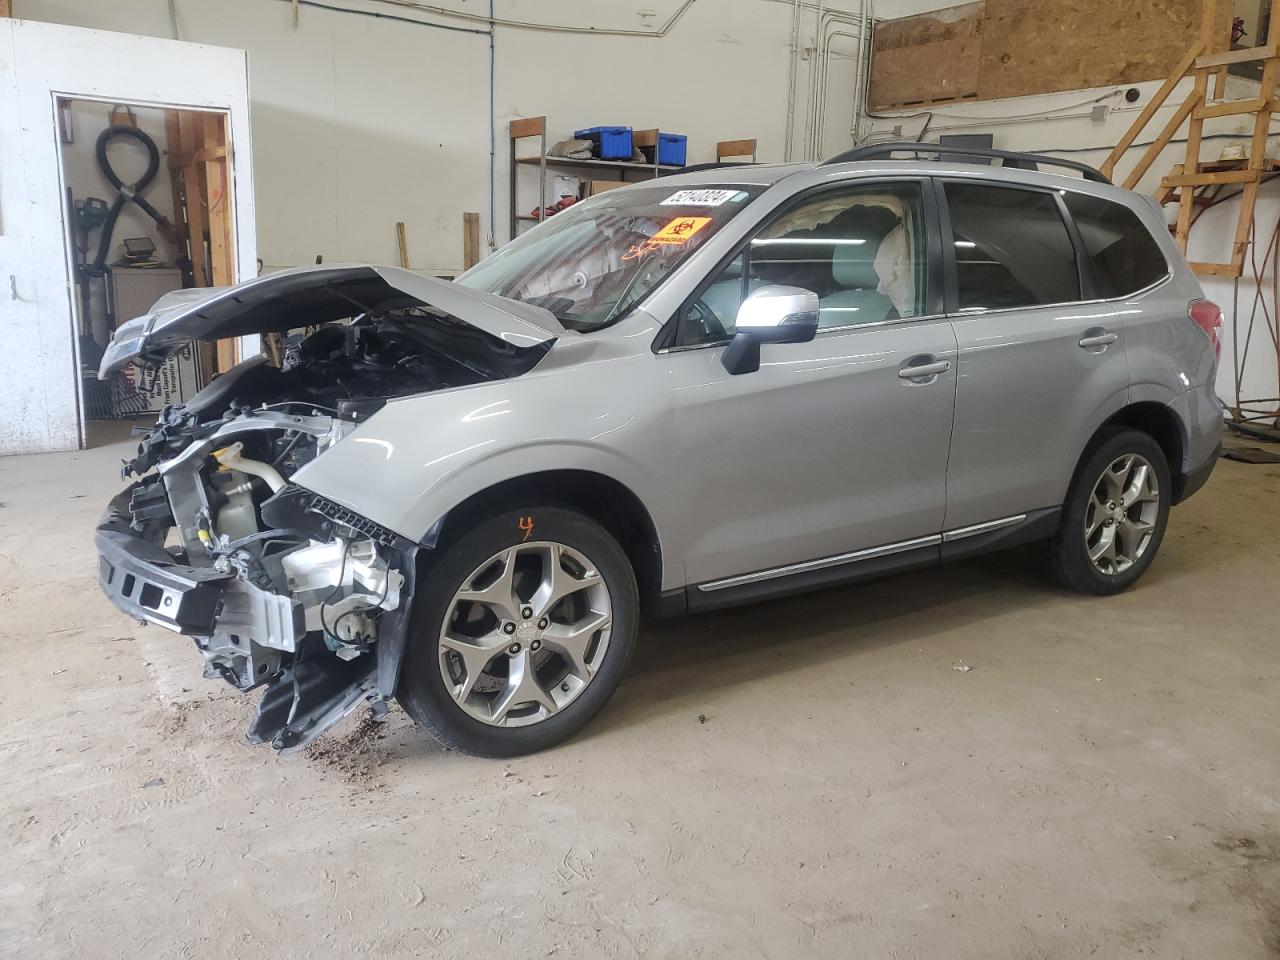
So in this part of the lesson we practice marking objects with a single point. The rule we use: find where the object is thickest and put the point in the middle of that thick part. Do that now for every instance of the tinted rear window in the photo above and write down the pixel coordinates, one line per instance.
(1124, 256)
(1012, 248)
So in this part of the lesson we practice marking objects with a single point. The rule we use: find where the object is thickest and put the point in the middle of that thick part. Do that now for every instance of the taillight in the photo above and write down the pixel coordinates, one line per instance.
(1208, 317)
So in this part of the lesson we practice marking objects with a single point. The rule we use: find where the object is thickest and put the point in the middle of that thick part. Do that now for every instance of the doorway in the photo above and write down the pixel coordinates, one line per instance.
(41, 65)
(148, 207)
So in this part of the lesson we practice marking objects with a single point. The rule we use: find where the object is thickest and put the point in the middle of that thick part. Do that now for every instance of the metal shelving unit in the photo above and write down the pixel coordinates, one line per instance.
(531, 127)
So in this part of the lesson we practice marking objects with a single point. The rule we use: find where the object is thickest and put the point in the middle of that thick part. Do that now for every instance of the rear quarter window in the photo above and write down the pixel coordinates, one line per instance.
(1124, 256)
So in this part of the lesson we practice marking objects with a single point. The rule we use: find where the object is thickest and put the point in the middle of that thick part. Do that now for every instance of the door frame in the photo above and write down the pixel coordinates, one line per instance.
(48, 62)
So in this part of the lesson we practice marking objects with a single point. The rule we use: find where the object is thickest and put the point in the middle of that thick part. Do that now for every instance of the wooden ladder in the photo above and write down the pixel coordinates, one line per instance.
(1209, 56)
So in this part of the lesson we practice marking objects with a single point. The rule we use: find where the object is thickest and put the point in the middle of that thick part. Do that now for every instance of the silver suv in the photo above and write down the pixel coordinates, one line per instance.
(707, 389)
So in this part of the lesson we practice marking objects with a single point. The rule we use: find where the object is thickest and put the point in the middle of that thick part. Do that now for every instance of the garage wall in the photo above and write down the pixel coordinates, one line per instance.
(360, 122)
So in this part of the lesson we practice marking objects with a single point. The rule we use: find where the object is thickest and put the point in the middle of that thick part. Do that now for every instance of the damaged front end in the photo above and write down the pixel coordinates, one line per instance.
(279, 587)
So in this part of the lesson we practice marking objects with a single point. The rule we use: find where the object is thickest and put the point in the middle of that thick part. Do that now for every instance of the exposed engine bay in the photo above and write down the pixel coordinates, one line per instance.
(278, 586)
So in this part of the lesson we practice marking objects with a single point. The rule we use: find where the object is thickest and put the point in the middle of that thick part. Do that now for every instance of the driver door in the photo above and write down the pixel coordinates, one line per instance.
(832, 447)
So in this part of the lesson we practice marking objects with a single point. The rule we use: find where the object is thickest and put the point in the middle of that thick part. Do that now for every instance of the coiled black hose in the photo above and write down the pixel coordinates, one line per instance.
(125, 192)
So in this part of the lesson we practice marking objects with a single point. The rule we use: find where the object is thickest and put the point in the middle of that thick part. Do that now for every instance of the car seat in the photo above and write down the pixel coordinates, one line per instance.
(858, 300)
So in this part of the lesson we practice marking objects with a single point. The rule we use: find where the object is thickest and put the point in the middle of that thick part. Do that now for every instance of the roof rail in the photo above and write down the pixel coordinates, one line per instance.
(715, 165)
(1010, 158)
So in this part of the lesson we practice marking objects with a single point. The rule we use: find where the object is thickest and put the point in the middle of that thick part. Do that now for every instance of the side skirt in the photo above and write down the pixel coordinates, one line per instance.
(874, 562)
(1000, 534)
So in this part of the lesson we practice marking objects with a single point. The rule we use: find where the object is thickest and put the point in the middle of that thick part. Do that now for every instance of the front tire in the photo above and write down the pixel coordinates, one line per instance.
(1115, 515)
(521, 633)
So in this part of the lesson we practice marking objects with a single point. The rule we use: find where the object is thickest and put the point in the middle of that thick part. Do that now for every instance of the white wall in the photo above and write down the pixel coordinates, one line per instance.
(361, 122)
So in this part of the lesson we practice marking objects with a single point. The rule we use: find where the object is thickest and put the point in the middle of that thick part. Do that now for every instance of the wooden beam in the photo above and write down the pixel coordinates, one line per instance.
(6, 8)
(1191, 165)
(1262, 119)
(1162, 140)
(470, 240)
(1230, 108)
(1154, 104)
(218, 199)
(1214, 269)
(403, 243)
(1203, 179)
(191, 135)
(528, 127)
(1220, 83)
(1213, 39)
(1165, 194)
(1236, 56)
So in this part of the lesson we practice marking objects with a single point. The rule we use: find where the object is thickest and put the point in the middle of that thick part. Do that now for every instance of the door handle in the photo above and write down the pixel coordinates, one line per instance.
(1101, 339)
(922, 370)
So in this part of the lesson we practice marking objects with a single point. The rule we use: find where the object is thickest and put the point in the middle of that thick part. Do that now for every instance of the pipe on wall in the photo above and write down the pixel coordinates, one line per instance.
(818, 75)
(439, 11)
(791, 80)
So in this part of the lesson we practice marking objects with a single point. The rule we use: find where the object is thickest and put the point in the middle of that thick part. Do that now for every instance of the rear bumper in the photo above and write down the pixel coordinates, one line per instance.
(145, 582)
(1184, 485)
(1199, 412)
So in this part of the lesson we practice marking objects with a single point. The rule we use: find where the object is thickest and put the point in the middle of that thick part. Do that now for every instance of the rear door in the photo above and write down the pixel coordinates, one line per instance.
(1039, 367)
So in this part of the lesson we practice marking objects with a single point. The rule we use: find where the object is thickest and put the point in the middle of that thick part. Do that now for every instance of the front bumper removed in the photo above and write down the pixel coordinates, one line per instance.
(307, 688)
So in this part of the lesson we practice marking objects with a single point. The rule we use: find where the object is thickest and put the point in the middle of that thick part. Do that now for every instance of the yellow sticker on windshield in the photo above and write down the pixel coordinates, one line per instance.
(680, 230)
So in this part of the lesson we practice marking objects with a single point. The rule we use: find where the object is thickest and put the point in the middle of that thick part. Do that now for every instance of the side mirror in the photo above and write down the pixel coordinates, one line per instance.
(773, 314)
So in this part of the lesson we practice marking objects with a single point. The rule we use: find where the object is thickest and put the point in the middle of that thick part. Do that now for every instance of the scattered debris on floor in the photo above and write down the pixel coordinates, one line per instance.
(352, 754)
(961, 666)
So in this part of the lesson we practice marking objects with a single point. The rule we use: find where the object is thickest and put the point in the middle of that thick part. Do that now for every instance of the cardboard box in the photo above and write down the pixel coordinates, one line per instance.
(600, 186)
(151, 391)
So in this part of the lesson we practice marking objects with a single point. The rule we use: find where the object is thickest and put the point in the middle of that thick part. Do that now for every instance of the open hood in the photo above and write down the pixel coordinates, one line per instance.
(307, 296)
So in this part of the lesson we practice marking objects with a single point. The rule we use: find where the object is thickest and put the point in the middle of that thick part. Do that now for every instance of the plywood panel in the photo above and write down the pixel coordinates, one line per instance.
(933, 56)
(1013, 48)
(1074, 44)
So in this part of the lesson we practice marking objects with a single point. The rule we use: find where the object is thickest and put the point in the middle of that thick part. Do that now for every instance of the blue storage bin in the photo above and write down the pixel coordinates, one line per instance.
(611, 143)
(671, 149)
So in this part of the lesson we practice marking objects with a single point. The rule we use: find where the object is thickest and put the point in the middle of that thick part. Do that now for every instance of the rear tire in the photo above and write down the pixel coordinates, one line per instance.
(522, 631)
(1115, 514)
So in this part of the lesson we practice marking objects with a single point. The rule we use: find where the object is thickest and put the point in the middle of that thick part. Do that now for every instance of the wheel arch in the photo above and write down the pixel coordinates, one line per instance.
(1162, 424)
(602, 498)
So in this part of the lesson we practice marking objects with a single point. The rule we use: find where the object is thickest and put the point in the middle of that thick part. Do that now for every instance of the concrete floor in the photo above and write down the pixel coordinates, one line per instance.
(810, 777)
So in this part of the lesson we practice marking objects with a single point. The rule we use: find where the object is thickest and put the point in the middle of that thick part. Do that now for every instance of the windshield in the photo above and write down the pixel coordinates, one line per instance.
(591, 262)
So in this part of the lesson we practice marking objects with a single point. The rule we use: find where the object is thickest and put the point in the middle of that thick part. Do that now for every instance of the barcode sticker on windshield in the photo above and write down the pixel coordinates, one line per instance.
(699, 198)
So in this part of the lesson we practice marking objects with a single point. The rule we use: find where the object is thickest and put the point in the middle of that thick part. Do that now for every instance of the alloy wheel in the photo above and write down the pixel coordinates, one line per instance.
(1120, 517)
(525, 634)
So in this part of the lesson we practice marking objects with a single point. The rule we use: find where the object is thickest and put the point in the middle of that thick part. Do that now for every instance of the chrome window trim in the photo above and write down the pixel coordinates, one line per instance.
(992, 181)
